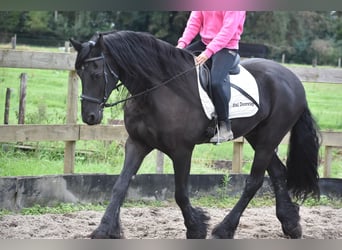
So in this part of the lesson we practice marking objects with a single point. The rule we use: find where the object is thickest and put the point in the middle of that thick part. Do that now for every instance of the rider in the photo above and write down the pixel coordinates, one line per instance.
(220, 33)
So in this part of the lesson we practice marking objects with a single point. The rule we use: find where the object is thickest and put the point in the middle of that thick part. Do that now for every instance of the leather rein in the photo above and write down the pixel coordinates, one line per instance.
(106, 66)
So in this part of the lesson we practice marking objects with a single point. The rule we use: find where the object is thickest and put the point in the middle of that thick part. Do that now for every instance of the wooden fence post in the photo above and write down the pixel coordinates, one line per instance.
(7, 105)
(327, 161)
(66, 46)
(314, 62)
(283, 58)
(160, 162)
(72, 100)
(22, 98)
(237, 156)
(14, 41)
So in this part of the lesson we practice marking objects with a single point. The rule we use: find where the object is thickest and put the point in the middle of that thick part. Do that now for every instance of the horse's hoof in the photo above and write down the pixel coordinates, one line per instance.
(218, 237)
(196, 235)
(219, 233)
(293, 232)
(97, 234)
(214, 237)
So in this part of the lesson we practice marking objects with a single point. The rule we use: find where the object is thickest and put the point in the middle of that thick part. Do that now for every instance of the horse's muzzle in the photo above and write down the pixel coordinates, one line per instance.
(92, 118)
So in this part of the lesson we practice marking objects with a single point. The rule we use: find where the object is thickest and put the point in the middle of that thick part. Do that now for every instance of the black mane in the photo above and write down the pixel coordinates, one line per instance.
(143, 55)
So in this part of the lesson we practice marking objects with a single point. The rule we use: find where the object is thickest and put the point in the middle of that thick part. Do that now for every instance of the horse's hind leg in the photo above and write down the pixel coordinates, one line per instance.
(226, 229)
(195, 219)
(110, 223)
(287, 212)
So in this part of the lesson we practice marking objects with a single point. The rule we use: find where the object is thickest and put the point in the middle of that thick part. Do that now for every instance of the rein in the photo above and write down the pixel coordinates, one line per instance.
(148, 90)
(116, 77)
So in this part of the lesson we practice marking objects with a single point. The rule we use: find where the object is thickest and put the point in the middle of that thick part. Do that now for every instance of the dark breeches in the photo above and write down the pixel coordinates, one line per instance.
(220, 65)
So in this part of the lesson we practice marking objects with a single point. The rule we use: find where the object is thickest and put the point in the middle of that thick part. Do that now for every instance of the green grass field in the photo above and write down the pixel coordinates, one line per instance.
(46, 104)
(325, 103)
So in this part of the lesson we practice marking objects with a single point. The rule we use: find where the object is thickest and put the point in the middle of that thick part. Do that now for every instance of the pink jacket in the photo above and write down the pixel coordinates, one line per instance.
(218, 29)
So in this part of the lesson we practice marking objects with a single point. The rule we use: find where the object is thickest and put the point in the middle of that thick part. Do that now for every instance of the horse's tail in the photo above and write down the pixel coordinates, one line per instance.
(303, 158)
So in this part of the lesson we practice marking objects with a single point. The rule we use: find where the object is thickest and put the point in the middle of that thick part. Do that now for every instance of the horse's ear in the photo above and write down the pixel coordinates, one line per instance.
(100, 41)
(76, 44)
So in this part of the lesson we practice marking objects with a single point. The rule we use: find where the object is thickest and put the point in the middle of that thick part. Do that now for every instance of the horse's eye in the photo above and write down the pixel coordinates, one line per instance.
(96, 76)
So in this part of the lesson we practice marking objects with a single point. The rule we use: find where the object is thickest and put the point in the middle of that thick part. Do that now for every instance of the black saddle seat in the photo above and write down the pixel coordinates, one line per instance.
(204, 73)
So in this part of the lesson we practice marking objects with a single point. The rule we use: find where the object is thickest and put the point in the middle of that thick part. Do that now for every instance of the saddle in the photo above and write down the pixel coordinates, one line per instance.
(205, 79)
(205, 76)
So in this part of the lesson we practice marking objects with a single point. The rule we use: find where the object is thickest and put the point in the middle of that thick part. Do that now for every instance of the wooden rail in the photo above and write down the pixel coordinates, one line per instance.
(72, 132)
(52, 61)
(329, 141)
(75, 132)
(317, 74)
(37, 60)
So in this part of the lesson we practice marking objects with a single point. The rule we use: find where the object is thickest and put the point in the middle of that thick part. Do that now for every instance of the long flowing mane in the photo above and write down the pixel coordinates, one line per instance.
(148, 61)
(143, 55)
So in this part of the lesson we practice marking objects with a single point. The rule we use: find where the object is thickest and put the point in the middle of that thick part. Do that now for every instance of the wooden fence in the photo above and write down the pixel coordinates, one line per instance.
(72, 132)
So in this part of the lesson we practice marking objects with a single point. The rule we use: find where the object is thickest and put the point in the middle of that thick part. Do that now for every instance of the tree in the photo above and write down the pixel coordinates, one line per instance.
(299, 34)
(9, 24)
(166, 25)
(292, 33)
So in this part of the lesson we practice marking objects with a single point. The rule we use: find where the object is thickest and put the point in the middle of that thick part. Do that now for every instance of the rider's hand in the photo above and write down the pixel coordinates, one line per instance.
(202, 58)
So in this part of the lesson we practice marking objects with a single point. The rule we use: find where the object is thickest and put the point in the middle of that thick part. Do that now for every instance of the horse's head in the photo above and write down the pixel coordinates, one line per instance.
(97, 76)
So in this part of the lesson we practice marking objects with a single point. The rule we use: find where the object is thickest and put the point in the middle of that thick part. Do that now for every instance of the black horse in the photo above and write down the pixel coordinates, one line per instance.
(164, 113)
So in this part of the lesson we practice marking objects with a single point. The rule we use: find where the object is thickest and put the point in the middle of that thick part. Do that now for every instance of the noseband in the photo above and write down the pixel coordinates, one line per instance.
(115, 76)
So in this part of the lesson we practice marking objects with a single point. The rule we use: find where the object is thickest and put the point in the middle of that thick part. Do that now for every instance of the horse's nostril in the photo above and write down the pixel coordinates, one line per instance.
(91, 118)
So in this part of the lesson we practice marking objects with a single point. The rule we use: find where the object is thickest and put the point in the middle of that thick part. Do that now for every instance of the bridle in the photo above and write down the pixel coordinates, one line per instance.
(114, 75)
(103, 103)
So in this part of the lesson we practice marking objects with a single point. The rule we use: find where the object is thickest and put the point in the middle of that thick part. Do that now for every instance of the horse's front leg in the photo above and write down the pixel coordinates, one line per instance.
(110, 223)
(195, 219)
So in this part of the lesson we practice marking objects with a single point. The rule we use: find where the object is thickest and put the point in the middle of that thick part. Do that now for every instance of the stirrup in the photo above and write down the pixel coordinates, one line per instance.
(217, 138)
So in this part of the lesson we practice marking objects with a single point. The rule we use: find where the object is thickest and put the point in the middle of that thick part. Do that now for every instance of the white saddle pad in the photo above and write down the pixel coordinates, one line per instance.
(239, 105)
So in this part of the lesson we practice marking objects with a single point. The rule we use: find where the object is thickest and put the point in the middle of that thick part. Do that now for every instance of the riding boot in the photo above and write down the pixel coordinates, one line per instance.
(224, 133)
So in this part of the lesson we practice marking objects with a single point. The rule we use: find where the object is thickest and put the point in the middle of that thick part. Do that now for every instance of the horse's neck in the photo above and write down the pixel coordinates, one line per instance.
(138, 84)
(135, 85)
(179, 83)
